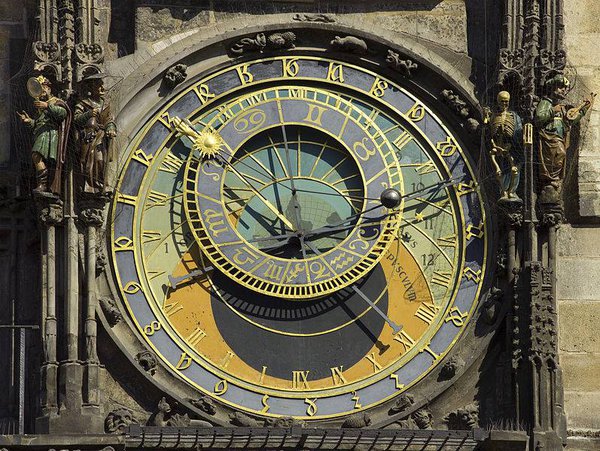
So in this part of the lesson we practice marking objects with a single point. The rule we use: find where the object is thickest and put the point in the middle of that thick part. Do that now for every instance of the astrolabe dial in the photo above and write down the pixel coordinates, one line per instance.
(298, 237)
(296, 207)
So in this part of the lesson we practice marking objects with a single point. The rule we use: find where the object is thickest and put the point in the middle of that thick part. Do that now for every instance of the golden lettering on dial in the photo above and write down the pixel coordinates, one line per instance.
(338, 376)
(318, 270)
(245, 76)
(426, 168)
(335, 72)
(471, 274)
(250, 121)
(315, 114)
(290, 67)
(300, 379)
(265, 404)
(447, 241)
(404, 339)
(312, 409)
(132, 287)
(151, 328)
(356, 400)
(149, 236)
(123, 243)
(196, 336)
(243, 255)
(433, 354)
(341, 261)
(427, 311)
(273, 271)
(371, 358)
(184, 362)
(456, 317)
(154, 274)
(441, 278)
(221, 387)
(171, 308)
(155, 199)
(402, 139)
(379, 87)
(215, 221)
(171, 163)
(127, 199)
(397, 383)
(447, 148)
(203, 93)
(362, 151)
(140, 156)
(473, 230)
(299, 93)
(295, 271)
(416, 112)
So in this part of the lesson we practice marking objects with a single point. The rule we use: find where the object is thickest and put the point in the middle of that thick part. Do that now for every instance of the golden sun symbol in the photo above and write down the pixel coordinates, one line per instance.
(208, 143)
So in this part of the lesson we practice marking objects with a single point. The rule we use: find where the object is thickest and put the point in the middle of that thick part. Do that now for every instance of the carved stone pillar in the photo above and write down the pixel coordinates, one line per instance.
(50, 213)
(91, 217)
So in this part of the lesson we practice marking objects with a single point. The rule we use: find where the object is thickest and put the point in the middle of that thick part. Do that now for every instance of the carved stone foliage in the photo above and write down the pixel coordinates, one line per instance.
(404, 66)
(261, 42)
(465, 418)
(47, 58)
(461, 108)
(112, 313)
(543, 320)
(205, 404)
(147, 361)
(175, 75)
(165, 416)
(360, 420)
(323, 18)
(241, 419)
(92, 208)
(49, 209)
(349, 44)
(450, 368)
(118, 420)
(285, 422)
(491, 306)
(419, 419)
(89, 59)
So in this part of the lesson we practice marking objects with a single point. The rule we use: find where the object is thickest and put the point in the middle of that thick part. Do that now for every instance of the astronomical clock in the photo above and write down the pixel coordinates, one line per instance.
(298, 235)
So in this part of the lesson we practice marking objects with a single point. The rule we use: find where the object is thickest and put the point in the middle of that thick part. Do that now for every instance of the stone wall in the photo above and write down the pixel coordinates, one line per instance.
(578, 268)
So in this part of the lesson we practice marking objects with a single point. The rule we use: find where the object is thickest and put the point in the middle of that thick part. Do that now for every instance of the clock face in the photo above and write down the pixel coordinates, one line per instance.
(298, 237)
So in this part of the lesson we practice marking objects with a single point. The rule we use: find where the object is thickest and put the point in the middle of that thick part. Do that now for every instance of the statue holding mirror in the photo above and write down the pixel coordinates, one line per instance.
(50, 129)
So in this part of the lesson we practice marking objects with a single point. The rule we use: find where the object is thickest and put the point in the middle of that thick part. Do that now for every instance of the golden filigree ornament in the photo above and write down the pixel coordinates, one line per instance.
(208, 142)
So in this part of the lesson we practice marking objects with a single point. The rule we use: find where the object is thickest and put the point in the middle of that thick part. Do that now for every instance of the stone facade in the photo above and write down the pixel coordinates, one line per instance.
(140, 39)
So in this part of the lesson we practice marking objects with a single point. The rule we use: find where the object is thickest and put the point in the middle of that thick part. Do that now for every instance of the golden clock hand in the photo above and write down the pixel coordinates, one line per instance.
(395, 327)
(174, 281)
(260, 196)
(208, 142)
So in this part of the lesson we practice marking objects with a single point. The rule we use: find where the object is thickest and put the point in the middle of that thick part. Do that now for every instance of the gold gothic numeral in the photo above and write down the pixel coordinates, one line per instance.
(457, 317)
(203, 93)
(172, 308)
(126, 199)
(154, 274)
(427, 312)
(335, 72)
(140, 156)
(416, 112)
(397, 383)
(379, 87)
(265, 404)
(245, 76)
(365, 153)
(472, 274)
(441, 278)
(338, 376)
(431, 353)
(196, 336)
(184, 362)
(447, 241)
(447, 148)
(405, 340)
(150, 235)
(171, 163)
(426, 168)
(311, 410)
(474, 231)
(290, 67)
(123, 243)
(356, 400)
(221, 387)
(371, 358)
(151, 328)
(263, 373)
(315, 114)
(156, 199)
(132, 287)
(300, 379)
